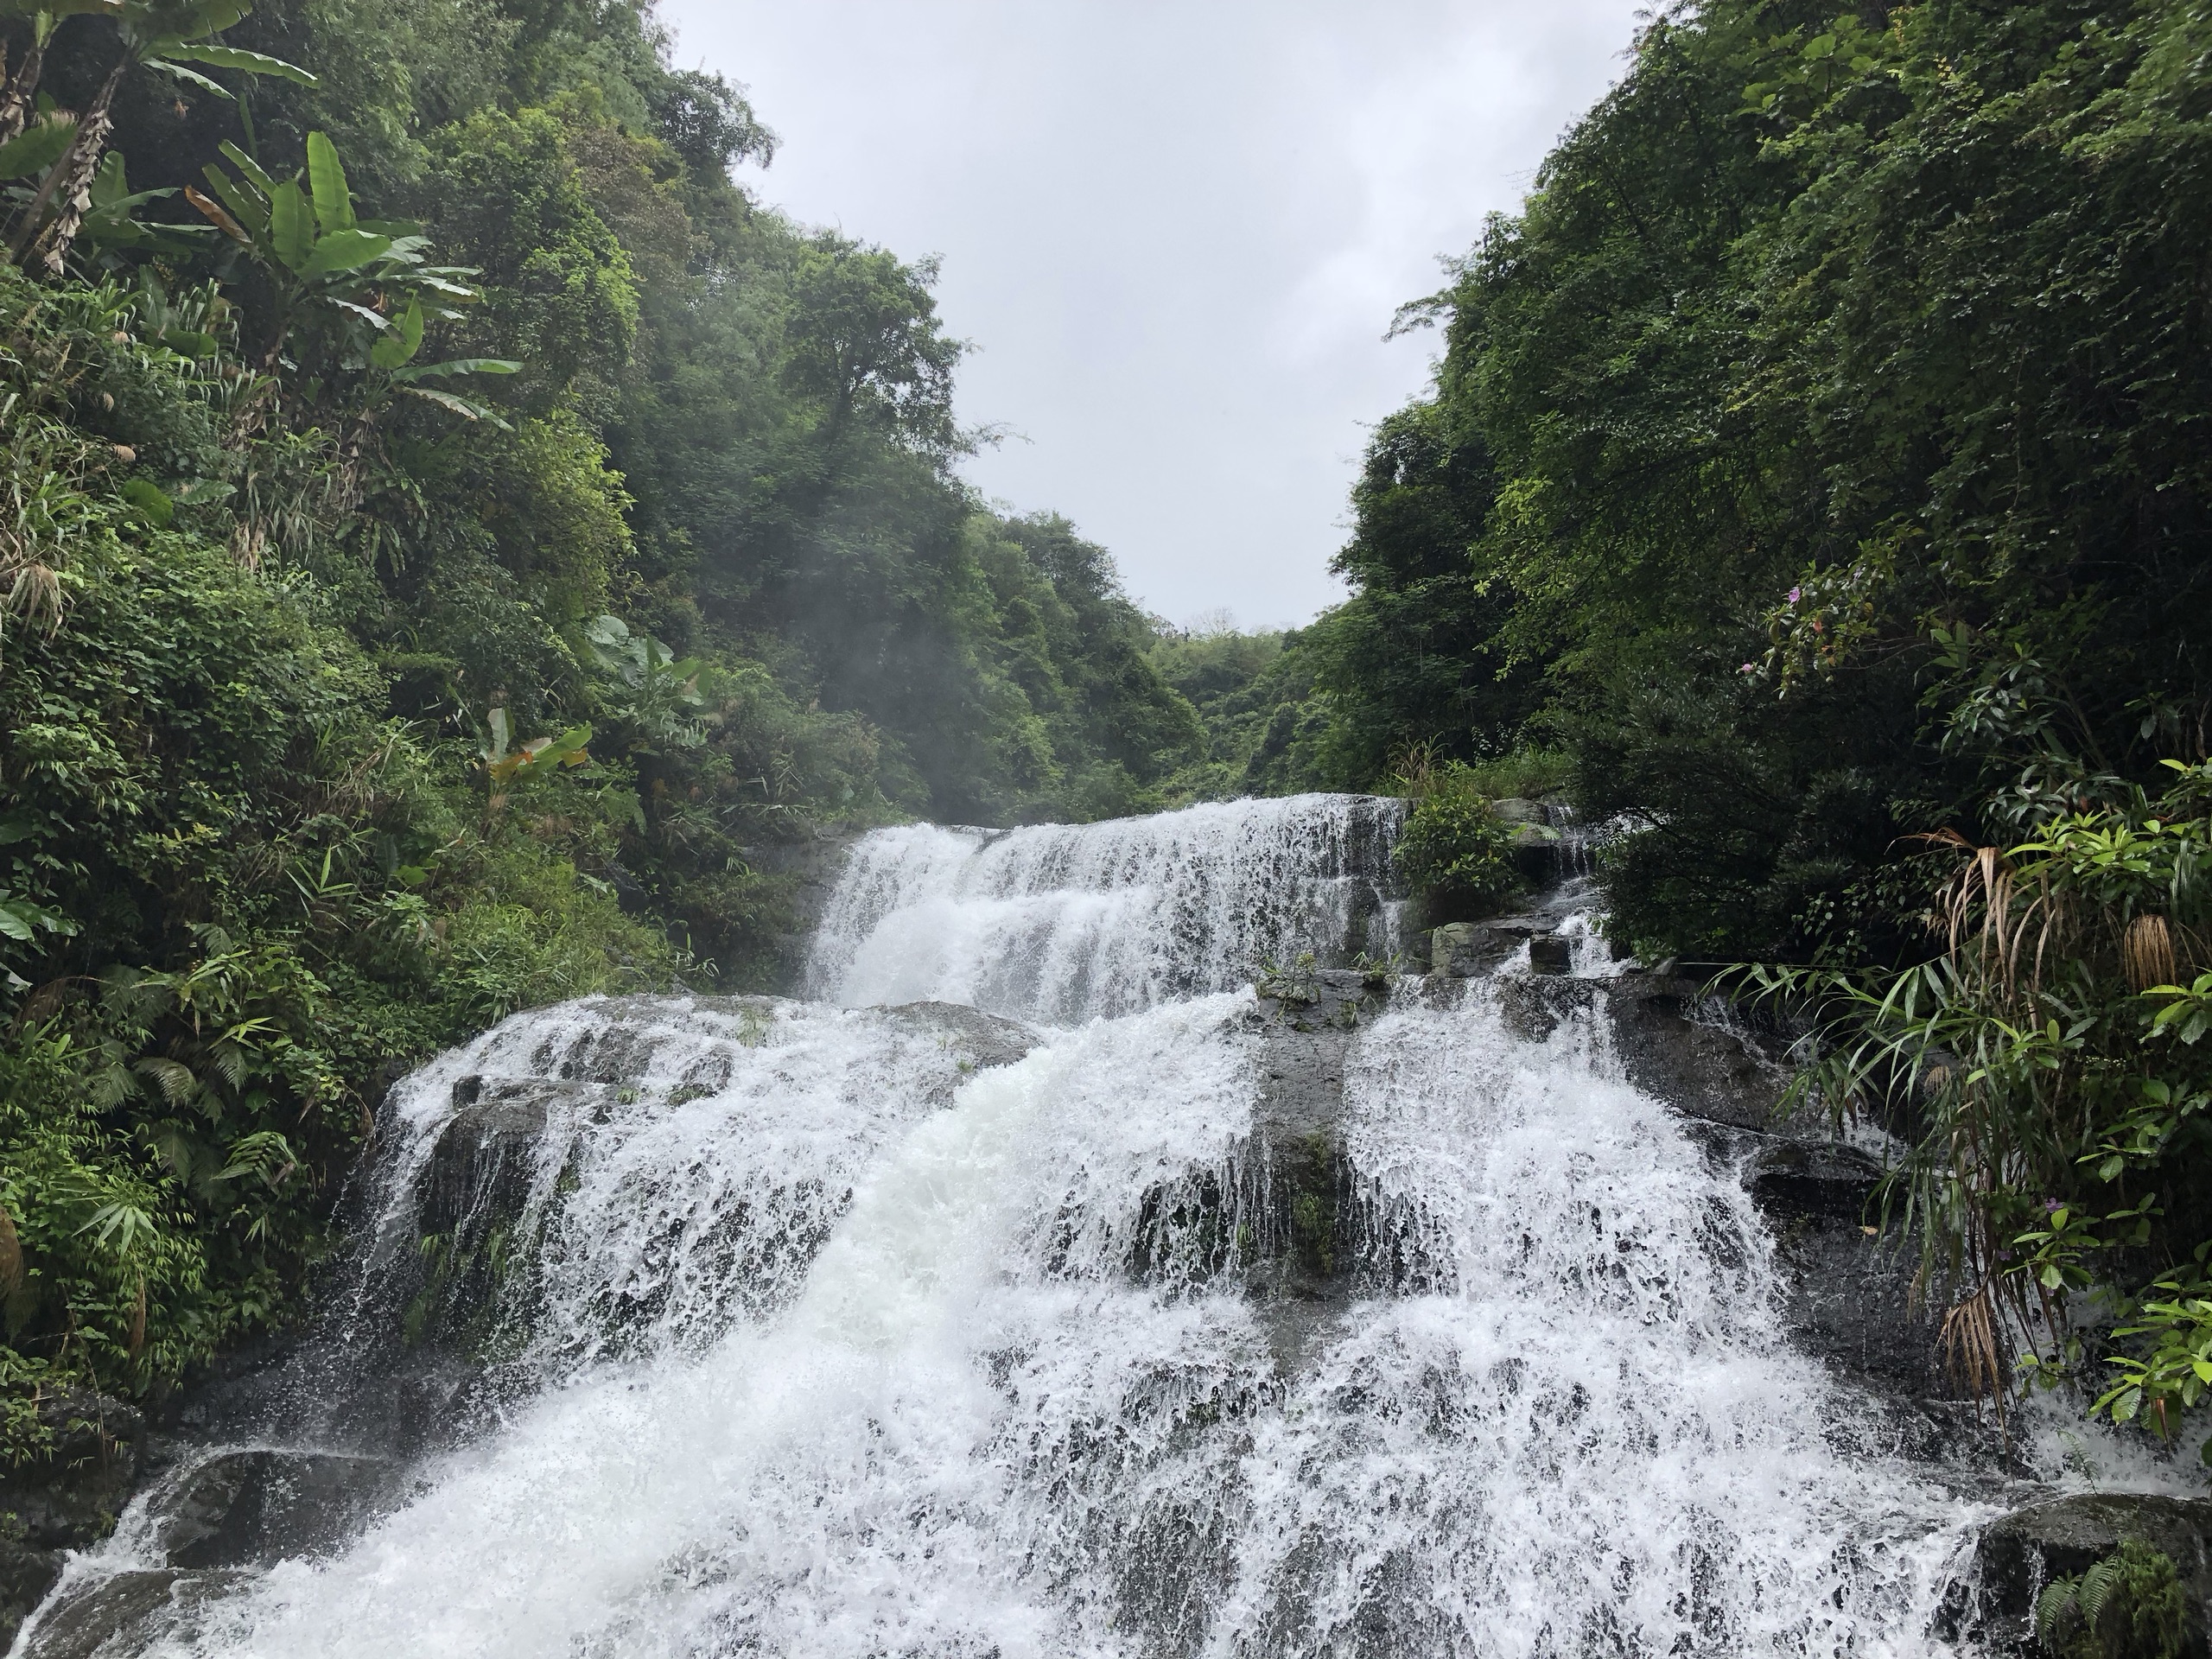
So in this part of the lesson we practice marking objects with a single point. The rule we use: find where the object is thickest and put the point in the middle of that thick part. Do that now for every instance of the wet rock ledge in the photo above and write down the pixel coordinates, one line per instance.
(66, 1500)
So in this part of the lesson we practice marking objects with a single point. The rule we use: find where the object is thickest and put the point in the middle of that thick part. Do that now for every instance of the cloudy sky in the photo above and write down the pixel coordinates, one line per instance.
(1175, 234)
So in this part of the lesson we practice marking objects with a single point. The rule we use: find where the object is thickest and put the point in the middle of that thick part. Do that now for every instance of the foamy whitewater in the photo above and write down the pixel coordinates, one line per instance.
(829, 1343)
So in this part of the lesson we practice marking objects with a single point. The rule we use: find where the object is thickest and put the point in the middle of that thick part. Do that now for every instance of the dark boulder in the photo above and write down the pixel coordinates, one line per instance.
(1794, 1179)
(1550, 953)
(124, 1613)
(69, 1496)
(254, 1508)
(1679, 1048)
(65, 1499)
(802, 877)
(1994, 1607)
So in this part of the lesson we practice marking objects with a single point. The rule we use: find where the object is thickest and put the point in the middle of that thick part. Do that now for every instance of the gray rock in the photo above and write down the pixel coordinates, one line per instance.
(983, 1040)
(1850, 1301)
(124, 1613)
(802, 878)
(1469, 950)
(1789, 1178)
(1515, 810)
(1282, 1214)
(26, 1572)
(70, 1497)
(485, 1156)
(255, 1508)
(2017, 1556)
(1464, 950)
(1549, 953)
(1702, 1068)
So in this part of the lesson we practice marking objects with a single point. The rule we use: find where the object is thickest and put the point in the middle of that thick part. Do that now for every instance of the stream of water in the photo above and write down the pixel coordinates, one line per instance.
(827, 1340)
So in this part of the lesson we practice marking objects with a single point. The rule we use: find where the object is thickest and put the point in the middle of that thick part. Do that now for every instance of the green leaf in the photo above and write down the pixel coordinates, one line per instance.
(191, 77)
(148, 503)
(404, 339)
(250, 212)
(291, 231)
(461, 365)
(253, 169)
(344, 250)
(460, 406)
(375, 320)
(233, 57)
(36, 149)
(333, 202)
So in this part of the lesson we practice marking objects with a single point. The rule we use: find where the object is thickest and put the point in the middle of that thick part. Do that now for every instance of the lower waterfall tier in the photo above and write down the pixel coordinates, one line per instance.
(864, 1332)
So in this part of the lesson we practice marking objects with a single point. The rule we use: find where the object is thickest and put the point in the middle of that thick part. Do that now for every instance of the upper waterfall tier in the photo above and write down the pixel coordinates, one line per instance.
(1064, 921)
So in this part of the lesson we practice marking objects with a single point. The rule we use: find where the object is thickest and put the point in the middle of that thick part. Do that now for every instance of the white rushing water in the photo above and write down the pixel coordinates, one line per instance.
(1064, 921)
(831, 1344)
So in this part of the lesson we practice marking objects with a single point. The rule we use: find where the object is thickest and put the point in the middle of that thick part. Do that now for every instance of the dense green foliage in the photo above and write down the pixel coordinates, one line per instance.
(1455, 852)
(449, 529)
(1818, 457)
(2129, 1605)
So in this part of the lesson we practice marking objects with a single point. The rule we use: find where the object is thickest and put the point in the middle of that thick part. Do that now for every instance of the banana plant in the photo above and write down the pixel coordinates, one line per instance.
(537, 758)
(168, 35)
(17, 96)
(658, 691)
(369, 283)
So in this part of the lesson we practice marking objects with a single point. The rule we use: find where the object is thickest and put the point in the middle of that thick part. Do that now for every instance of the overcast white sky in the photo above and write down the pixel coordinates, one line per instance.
(1176, 233)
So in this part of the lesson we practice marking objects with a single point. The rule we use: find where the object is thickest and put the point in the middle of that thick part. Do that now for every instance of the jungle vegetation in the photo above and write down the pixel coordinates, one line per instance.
(450, 533)
(1819, 459)
(450, 530)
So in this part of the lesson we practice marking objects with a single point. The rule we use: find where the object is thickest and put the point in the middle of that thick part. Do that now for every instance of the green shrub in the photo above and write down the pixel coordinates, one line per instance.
(1526, 774)
(2129, 1605)
(1455, 852)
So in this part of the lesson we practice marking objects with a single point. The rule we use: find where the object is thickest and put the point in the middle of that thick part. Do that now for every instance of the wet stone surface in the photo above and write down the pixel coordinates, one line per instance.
(253, 1508)
(68, 1499)
(2017, 1556)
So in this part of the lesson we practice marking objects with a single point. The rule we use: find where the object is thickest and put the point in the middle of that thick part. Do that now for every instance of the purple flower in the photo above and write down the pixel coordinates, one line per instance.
(2052, 1206)
(1794, 592)
(1751, 668)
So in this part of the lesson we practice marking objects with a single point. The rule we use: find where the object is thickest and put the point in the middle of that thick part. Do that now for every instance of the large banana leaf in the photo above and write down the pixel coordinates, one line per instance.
(291, 227)
(245, 164)
(342, 251)
(36, 148)
(230, 57)
(333, 203)
(246, 208)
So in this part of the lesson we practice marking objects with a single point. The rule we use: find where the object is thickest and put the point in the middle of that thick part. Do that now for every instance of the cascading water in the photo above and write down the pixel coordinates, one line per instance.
(1064, 923)
(829, 1329)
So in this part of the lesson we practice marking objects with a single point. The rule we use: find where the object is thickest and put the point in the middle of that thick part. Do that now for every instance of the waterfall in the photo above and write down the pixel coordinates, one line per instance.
(835, 1328)
(1061, 922)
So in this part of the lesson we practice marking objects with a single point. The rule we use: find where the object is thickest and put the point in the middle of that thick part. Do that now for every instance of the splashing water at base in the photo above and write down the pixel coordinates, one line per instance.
(835, 1344)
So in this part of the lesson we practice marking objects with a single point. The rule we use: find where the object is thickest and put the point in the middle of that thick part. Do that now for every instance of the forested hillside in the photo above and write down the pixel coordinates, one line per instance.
(1820, 460)
(454, 534)
(452, 529)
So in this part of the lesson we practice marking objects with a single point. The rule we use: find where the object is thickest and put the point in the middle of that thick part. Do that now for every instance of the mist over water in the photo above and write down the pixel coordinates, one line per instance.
(829, 1343)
